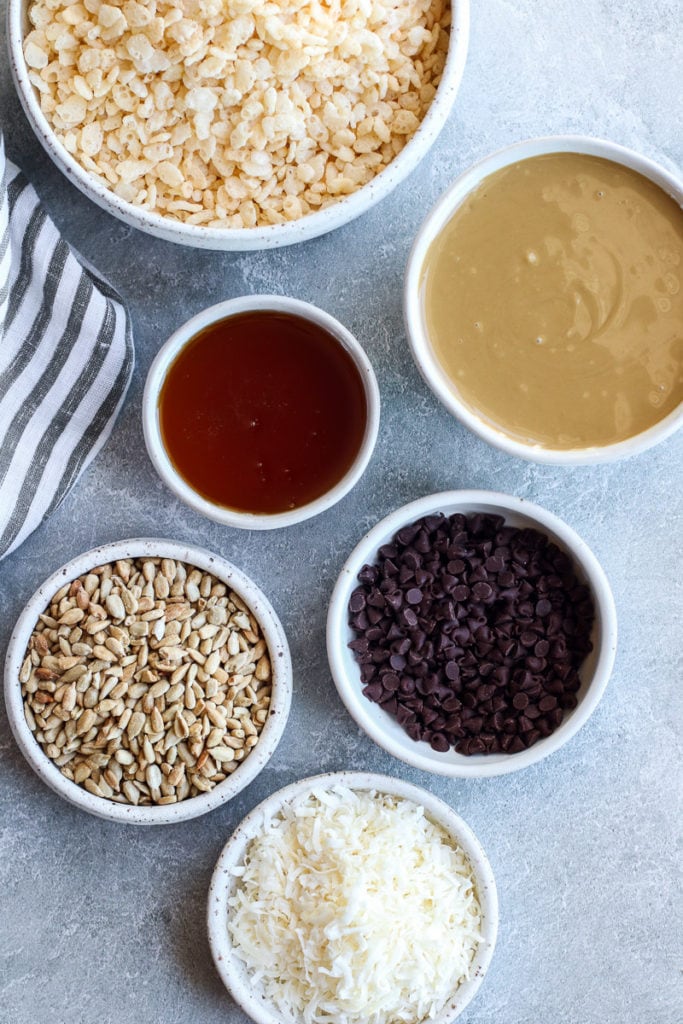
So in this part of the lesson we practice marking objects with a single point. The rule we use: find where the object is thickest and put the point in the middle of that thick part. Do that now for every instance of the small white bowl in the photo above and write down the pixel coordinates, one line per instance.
(223, 883)
(281, 696)
(385, 730)
(243, 239)
(416, 328)
(152, 430)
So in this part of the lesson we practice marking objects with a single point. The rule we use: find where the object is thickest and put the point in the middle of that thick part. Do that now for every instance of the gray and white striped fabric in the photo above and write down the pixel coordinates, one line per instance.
(66, 359)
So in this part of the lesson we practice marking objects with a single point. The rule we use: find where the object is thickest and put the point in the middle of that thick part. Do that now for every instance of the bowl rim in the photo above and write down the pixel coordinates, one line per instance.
(273, 729)
(419, 754)
(248, 239)
(182, 336)
(232, 971)
(416, 333)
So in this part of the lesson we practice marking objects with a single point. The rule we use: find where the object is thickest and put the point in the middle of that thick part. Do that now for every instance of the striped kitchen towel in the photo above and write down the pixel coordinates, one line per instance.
(66, 359)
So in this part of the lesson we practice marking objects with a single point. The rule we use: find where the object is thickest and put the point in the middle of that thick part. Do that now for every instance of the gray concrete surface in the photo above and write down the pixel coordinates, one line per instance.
(101, 923)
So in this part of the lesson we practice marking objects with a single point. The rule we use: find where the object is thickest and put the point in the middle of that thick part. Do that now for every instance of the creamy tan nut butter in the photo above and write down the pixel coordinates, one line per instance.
(553, 302)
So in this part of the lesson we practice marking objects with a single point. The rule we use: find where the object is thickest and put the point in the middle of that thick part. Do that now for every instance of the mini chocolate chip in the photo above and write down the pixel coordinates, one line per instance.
(452, 670)
(404, 716)
(367, 673)
(360, 622)
(407, 534)
(482, 591)
(485, 691)
(477, 746)
(421, 542)
(439, 743)
(373, 692)
(389, 704)
(408, 617)
(494, 563)
(520, 701)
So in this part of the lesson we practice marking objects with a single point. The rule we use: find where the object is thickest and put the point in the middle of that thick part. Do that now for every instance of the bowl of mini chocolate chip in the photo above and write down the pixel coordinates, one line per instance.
(471, 633)
(148, 681)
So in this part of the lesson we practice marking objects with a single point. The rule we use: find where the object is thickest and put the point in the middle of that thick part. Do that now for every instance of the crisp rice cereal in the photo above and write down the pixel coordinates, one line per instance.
(235, 113)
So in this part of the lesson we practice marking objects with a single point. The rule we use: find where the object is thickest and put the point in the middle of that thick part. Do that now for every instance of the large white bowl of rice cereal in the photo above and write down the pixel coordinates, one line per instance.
(237, 124)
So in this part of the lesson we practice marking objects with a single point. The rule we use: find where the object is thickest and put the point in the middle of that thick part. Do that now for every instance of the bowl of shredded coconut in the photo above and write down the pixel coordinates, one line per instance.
(352, 898)
(237, 124)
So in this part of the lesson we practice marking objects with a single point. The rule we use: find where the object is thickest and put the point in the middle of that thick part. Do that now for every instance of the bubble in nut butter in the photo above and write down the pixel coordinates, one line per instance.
(552, 297)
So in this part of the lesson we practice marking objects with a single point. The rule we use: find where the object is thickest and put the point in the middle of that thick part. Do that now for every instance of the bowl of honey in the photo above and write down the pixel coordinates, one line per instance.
(261, 412)
(543, 300)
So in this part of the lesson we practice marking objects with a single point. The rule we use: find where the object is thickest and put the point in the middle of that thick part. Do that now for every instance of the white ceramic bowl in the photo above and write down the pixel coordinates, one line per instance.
(232, 239)
(232, 970)
(416, 328)
(184, 334)
(252, 764)
(383, 729)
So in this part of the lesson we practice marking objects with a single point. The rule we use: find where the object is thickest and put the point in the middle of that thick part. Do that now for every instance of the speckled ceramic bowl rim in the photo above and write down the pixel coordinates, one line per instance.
(189, 330)
(281, 689)
(378, 724)
(417, 333)
(243, 239)
(231, 969)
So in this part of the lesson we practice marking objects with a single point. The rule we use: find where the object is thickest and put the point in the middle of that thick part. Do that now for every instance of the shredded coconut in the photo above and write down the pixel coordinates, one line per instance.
(354, 908)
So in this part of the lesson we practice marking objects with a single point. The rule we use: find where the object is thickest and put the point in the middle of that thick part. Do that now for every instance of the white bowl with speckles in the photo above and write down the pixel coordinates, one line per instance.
(231, 968)
(594, 672)
(273, 729)
(413, 305)
(232, 239)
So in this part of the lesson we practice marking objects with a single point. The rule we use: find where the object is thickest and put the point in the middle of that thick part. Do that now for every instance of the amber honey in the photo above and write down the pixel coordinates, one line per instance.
(263, 412)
